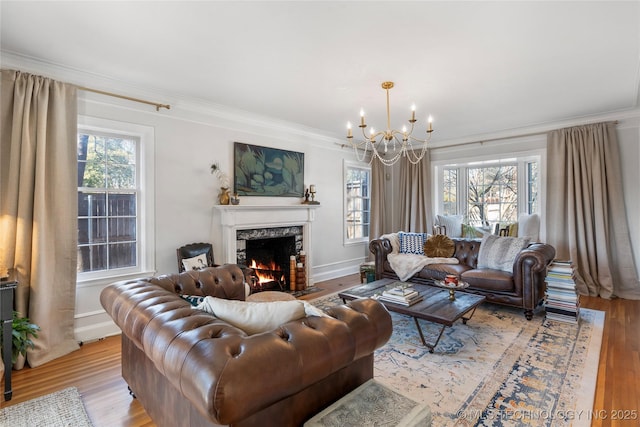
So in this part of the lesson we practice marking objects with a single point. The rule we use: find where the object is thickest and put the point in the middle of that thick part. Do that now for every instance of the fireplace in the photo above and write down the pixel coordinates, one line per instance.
(234, 226)
(268, 251)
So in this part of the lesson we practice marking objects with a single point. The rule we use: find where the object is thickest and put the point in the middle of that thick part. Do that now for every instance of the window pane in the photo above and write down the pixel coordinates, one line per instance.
(91, 161)
(121, 176)
(92, 258)
(450, 191)
(92, 230)
(121, 151)
(122, 255)
(122, 204)
(122, 229)
(91, 204)
(532, 187)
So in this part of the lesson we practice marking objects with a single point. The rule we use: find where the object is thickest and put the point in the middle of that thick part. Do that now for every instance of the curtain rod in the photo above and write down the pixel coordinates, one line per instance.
(482, 141)
(115, 95)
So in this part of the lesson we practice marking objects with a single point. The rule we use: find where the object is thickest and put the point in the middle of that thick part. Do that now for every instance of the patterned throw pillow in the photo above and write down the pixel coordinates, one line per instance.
(498, 253)
(412, 243)
(439, 246)
(194, 300)
(196, 263)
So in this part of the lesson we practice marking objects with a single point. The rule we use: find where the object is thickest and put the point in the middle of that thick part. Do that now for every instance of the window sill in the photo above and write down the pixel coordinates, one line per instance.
(102, 281)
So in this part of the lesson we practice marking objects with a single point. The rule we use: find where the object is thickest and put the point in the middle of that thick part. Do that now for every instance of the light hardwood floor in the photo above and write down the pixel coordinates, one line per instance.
(95, 370)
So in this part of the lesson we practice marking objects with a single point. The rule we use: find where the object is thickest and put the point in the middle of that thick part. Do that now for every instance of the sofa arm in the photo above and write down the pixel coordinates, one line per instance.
(529, 272)
(380, 248)
(535, 258)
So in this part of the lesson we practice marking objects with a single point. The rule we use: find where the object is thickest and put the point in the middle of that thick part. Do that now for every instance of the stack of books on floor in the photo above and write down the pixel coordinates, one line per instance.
(561, 302)
(401, 295)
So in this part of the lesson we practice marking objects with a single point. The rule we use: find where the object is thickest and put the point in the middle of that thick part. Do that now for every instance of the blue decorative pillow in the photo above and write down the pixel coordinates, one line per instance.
(412, 243)
(194, 300)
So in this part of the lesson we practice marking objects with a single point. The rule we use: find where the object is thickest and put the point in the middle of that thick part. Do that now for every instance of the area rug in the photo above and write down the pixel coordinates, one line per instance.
(307, 291)
(497, 370)
(63, 408)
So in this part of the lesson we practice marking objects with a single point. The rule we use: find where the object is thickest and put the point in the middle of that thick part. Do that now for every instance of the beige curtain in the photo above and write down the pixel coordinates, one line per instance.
(378, 200)
(38, 205)
(415, 200)
(586, 219)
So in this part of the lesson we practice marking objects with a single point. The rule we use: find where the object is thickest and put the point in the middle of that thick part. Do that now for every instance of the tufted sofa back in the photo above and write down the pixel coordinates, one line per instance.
(467, 251)
(225, 281)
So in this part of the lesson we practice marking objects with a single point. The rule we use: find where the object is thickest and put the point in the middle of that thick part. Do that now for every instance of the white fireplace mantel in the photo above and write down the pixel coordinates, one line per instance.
(227, 219)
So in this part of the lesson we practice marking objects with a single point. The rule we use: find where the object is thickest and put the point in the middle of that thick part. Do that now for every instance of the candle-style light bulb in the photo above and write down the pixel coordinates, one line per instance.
(413, 112)
(430, 121)
(349, 133)
(361, 117)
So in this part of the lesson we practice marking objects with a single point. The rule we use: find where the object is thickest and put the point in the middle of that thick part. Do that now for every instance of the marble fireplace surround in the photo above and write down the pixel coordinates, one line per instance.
(228, 219)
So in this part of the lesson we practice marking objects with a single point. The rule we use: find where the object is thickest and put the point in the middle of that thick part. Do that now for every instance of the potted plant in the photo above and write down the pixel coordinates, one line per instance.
(23, 331)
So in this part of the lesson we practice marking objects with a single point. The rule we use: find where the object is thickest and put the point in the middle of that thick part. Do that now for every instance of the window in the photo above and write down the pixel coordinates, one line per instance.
(357, 202)
(450, 191)
(490, 192)
(112, 236)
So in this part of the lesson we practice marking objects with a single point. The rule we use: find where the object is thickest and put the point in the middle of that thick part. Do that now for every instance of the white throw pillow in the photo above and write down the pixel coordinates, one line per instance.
(254, 317)
(529, 226)
(452, 224)
(196, 263)
(498, 253)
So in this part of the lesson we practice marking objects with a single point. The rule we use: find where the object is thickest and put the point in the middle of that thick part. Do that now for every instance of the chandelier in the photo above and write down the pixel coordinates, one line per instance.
(399, 142)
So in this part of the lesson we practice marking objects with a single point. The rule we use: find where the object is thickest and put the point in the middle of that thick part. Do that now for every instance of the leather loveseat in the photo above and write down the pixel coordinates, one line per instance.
(189, 368)
(524, 288)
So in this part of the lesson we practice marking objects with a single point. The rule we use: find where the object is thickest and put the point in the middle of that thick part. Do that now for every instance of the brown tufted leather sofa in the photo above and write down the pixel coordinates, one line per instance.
(189, 368)
(524, 288)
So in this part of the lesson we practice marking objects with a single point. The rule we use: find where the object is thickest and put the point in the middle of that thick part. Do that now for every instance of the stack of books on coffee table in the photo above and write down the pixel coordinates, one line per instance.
(401, 295)
(562, 302)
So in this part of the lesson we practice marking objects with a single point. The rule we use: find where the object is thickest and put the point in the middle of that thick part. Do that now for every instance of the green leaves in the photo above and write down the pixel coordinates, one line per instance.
(23, 329)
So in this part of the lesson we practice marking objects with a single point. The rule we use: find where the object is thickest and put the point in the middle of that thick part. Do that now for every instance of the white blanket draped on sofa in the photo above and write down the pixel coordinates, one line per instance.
(406, 265)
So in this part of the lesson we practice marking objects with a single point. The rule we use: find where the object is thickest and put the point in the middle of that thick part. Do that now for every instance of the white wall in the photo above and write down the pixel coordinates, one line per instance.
(187, 141)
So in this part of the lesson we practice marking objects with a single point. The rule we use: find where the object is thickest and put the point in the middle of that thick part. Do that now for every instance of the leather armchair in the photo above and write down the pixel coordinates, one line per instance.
(188, 367)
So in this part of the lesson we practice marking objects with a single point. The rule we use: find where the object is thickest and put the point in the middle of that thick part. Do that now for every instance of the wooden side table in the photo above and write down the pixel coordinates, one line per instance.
(6, 317)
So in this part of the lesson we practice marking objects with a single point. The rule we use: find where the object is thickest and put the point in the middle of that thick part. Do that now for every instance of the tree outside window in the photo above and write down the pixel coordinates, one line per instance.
(492, 195)
(490, 192)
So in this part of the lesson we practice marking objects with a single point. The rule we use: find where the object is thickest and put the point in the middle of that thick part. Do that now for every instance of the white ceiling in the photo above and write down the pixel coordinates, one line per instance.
(478, 67)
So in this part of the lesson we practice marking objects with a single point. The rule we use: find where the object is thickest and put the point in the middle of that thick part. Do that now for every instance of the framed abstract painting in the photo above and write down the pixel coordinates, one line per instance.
(265, 171)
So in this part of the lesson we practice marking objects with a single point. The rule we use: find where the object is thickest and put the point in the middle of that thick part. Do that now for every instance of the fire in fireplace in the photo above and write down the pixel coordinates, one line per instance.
(269, 259)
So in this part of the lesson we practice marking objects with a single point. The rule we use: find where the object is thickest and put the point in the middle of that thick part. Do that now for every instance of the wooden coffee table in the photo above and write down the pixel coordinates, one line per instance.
(434, 307)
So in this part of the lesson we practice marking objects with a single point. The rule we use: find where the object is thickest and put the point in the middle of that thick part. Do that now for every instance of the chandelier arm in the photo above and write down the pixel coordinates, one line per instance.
(372, 137)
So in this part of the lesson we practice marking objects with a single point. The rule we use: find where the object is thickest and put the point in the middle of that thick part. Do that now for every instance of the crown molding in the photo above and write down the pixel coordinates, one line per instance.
(206, 112)
(626, 119)
(188, 109)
